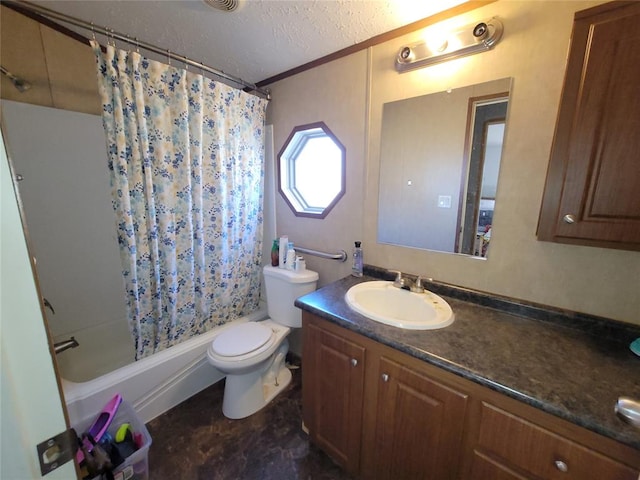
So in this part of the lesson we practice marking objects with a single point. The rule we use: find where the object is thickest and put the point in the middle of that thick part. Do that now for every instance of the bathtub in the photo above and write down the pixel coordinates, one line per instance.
(154, 384)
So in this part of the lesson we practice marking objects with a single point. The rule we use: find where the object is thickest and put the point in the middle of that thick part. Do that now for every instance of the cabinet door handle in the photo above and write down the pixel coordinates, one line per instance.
(354, 362)
(385, 377)
(560, 465)
(569, 219)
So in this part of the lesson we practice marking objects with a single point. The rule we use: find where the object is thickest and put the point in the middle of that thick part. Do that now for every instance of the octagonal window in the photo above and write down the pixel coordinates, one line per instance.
(311, 170)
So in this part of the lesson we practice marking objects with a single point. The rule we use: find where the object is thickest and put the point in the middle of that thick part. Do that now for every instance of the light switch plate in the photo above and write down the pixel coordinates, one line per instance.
(444, 201)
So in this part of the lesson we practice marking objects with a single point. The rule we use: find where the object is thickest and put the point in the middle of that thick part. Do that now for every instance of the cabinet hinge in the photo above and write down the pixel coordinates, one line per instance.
(57, 450)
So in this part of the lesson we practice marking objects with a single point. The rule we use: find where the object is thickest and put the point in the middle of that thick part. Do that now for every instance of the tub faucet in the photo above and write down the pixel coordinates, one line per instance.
(65, 345)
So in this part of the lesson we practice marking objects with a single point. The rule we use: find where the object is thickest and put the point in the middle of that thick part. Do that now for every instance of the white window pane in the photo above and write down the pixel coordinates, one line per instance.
(318, 172)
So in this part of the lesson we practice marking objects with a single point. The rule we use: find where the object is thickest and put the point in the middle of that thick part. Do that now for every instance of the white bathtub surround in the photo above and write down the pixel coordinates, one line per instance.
(154, 384)
(102, 348)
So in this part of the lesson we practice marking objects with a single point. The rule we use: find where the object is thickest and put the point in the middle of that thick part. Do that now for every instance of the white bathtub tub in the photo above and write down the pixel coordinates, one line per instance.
(154, 384)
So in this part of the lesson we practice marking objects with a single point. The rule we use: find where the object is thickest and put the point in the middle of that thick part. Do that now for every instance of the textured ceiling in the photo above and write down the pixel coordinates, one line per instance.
(259, 40)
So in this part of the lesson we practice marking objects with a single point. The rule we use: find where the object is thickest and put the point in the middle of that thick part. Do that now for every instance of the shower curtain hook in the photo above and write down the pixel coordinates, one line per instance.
(137, 45)
(93, 32)
(169, 57)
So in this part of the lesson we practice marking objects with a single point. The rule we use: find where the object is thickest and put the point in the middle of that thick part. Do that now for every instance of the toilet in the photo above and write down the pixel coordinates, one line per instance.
(252, 354)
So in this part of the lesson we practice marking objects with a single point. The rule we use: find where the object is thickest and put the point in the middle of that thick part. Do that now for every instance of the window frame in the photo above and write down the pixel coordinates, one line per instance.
(289, 161)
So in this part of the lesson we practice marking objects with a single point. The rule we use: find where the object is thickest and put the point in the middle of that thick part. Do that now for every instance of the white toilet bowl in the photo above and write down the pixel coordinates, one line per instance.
(252, 355)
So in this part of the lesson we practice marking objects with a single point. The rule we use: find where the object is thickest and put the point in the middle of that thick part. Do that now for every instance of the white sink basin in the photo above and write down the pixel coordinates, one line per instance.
(384, 303)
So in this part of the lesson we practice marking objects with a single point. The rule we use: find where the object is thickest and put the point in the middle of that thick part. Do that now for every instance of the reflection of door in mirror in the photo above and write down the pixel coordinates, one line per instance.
(485, 132)
(425, 157)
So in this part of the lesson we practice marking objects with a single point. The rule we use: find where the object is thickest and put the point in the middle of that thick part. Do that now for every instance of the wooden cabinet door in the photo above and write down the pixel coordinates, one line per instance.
(508, 443)
(592, 195)
(333, 390)
(485, 468)
(420, 425)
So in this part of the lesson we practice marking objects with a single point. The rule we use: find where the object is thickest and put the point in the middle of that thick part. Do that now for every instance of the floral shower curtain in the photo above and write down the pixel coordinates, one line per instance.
(186, 156)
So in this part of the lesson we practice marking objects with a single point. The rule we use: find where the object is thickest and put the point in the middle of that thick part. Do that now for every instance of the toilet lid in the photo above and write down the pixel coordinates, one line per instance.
(241, 339)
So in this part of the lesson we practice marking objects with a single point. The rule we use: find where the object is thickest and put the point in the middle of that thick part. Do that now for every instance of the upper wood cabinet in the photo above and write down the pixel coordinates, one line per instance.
(592, 193)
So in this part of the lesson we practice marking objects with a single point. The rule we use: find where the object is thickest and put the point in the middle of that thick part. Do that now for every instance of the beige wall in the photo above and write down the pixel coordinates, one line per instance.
(61, 70)
(335, 94)
(348, 95)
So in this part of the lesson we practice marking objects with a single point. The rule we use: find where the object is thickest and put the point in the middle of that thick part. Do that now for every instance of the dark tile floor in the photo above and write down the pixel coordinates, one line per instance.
(195, 441)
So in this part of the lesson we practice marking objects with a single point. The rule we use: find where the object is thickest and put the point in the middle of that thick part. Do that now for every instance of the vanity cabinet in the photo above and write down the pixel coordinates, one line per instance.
(418, 425)
(375, 412)
(333, 393)
(383, 414)
(511, 447)
(591, 194)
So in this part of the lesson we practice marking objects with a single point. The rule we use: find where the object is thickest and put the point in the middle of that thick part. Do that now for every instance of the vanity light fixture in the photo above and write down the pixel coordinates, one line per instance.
(470, 39)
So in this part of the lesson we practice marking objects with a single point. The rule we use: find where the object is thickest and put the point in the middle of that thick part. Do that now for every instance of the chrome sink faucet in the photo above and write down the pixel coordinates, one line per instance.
(417, 285)
(402, 282)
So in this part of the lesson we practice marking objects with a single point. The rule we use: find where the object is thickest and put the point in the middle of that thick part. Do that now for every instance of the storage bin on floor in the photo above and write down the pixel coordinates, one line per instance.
(136, 465)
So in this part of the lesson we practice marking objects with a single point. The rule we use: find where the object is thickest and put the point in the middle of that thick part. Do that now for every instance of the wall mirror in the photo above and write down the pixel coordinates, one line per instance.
(439, 163)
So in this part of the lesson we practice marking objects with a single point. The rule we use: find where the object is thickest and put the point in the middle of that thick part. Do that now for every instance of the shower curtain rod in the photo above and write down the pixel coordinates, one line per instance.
(52, 14)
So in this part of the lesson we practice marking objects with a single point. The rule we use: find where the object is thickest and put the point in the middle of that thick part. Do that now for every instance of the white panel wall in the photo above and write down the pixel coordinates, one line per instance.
(67, 200)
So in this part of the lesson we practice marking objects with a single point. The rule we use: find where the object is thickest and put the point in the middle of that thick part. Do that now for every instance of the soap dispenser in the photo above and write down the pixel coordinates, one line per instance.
(356, 269)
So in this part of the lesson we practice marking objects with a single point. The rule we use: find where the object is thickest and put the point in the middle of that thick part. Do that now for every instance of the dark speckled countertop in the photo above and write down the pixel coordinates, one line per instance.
(570, 365)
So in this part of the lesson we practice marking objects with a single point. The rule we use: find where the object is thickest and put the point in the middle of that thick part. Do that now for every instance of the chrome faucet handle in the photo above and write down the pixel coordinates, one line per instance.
(399, 281)
(417, 286)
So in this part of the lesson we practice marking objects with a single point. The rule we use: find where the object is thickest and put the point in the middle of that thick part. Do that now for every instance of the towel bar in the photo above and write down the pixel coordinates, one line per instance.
(341, 255)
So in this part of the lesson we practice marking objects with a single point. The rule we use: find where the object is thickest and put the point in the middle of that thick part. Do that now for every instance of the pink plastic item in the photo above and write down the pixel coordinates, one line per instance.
(100, 425)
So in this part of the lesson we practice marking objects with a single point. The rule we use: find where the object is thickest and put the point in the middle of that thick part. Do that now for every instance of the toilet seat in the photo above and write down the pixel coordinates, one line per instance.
(241, 340)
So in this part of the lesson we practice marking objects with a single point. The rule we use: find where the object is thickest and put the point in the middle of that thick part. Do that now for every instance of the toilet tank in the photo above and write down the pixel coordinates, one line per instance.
(283, 287)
